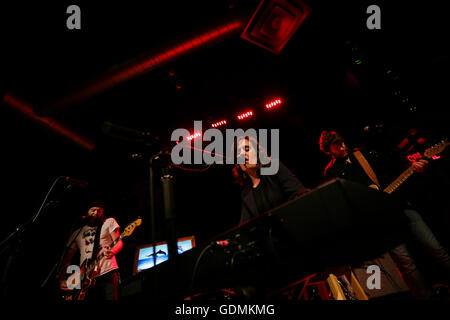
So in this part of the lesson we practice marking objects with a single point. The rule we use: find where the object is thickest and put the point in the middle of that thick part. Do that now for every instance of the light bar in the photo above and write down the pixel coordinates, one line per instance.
(273, 103)
(219, 123)
(193, 136)
(245, 115)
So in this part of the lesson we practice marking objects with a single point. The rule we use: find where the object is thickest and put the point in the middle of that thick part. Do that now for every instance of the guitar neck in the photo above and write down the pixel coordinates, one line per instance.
(408, 172)
(398, 182)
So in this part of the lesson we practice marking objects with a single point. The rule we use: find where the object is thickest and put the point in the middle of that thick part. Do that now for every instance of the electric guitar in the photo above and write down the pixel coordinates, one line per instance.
(89, 267)
(435, 150)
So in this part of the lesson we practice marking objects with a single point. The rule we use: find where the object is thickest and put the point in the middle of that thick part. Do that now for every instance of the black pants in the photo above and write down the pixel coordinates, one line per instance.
(106, 287)
(421, 240)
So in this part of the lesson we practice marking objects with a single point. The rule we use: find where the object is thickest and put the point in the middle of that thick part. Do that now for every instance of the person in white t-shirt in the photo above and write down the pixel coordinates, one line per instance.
(106, 273)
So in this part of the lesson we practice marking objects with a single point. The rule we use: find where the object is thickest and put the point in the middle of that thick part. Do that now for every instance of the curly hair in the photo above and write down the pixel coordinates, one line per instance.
(327, 138)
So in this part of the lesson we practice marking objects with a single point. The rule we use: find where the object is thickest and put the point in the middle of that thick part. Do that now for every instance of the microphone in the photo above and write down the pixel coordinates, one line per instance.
(75, 182)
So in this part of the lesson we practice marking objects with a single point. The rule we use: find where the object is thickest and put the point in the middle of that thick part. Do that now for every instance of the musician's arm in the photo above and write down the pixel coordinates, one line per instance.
(109, 253)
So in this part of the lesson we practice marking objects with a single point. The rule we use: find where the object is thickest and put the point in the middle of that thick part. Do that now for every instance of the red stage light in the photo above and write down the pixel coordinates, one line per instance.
(245, 115)
(219, 123)
(144, 64)
(273, 103)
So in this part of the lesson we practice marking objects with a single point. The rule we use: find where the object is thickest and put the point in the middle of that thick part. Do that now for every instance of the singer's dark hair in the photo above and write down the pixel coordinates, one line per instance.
(327, 138)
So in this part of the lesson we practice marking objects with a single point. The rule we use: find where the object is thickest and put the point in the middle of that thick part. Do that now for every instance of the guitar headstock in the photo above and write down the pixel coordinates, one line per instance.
(130, 228)
(436, 149)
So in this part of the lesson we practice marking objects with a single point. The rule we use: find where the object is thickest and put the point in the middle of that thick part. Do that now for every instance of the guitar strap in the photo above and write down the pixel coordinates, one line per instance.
(366, 167)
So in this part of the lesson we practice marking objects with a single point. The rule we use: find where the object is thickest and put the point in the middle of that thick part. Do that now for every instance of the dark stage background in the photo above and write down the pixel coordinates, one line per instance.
(333, 73)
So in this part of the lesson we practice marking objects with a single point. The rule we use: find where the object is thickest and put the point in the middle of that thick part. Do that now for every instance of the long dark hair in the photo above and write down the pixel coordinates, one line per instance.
(240, 177)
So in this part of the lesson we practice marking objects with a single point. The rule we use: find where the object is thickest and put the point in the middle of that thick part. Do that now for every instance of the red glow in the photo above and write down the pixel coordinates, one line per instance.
(204, 151)
(245, 115)
(417, 156)
(140, 66)
(219, 123)
(414, 157)
(273, 103)
(58, 127)
(421, 140)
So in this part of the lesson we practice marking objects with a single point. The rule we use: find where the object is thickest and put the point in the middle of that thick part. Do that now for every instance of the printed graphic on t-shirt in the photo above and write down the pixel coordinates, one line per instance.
(89, 238)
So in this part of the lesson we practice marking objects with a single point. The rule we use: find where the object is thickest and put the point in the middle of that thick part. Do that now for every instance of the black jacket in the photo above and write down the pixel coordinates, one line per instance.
(277, 189)
(381, 164)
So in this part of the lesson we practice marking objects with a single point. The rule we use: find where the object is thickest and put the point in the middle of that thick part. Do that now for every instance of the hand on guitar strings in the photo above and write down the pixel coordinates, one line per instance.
(420, 166)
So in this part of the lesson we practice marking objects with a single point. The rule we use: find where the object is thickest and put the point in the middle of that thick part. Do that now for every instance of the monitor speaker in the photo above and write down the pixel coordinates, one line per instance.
(391, 285)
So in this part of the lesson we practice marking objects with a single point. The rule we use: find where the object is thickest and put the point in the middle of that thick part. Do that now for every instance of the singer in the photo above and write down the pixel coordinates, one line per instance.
(261, 193)
(92, 243)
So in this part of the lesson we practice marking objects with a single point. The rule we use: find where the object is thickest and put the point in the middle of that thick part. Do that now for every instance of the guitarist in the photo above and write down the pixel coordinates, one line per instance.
(357, 167)
(90, 243)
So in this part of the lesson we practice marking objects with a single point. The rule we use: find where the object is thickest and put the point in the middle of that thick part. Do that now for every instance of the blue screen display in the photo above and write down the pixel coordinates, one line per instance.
(145, 257)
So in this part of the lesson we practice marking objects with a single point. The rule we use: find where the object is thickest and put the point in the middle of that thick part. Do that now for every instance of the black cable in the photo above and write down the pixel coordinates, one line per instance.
(194, 271)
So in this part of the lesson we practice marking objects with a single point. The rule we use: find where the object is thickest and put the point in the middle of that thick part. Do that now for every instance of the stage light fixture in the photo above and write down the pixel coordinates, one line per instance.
(219, 123)
(273, 103)
(193, 136)
(245, 115)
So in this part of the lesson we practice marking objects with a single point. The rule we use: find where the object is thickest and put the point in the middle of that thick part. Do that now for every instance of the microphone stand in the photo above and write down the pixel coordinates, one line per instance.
(19, 230)
(152, 219)
(22, 227)
(152, 208)
(164, 161)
